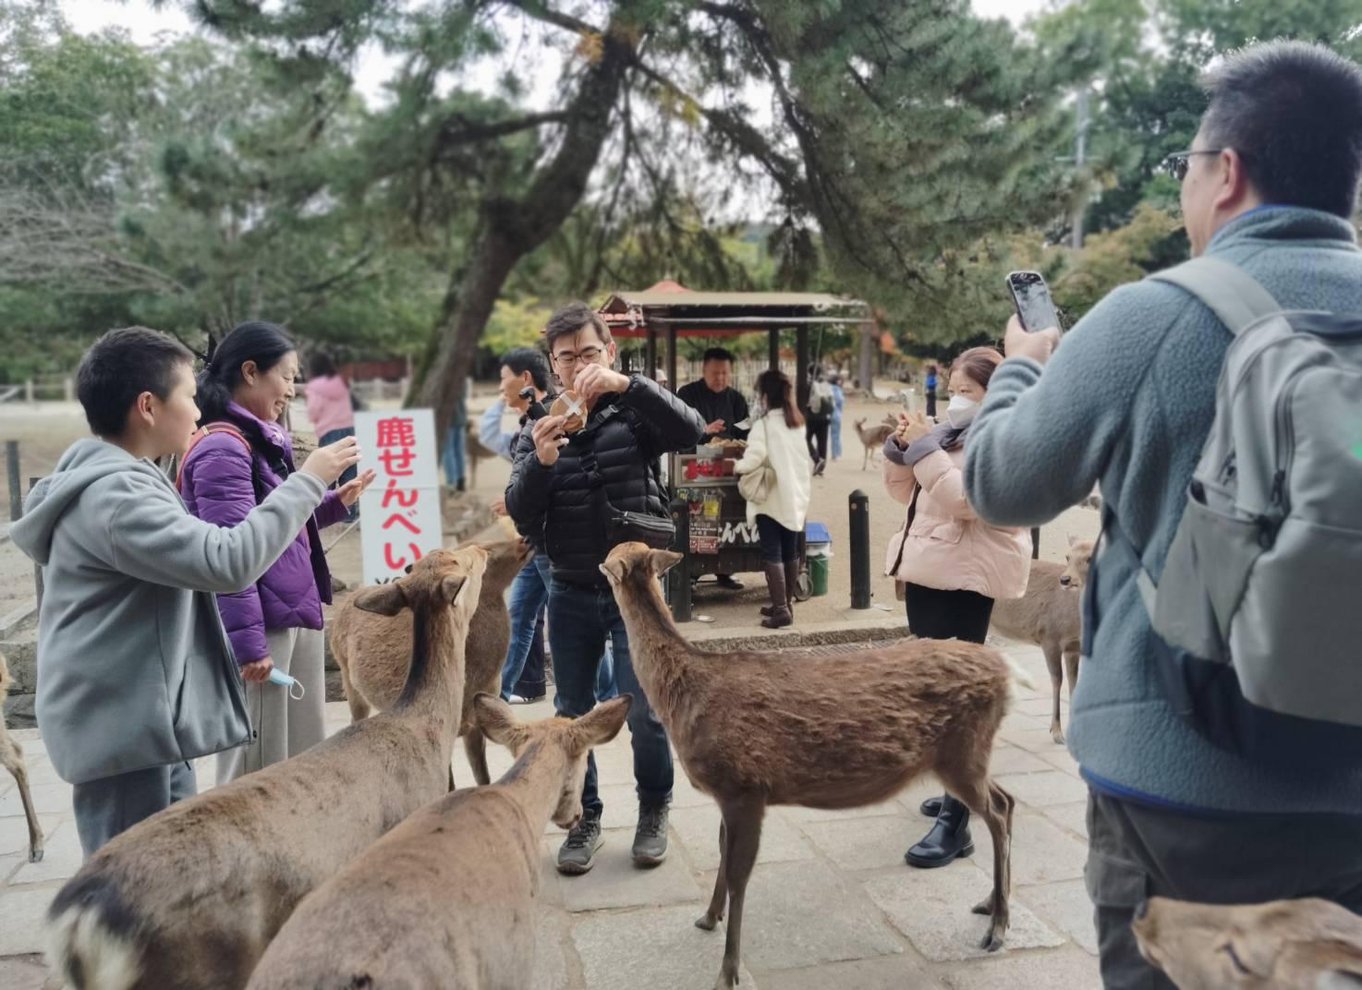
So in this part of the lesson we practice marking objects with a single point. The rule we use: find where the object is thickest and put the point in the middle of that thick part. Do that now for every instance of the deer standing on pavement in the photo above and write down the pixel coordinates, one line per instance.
(756, 729)
(447, 899)
(1049, 616)
(190, 898)
(12, 759)
(872, 438)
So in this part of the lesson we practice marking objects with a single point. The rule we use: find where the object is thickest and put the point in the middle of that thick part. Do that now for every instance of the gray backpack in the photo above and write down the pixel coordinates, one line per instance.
(1259, 607)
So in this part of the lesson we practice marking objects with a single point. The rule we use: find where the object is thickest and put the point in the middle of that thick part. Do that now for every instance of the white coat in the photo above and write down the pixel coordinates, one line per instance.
(788, 453)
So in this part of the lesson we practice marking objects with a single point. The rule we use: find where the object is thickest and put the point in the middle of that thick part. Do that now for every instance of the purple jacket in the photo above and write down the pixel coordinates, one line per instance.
(219, 487)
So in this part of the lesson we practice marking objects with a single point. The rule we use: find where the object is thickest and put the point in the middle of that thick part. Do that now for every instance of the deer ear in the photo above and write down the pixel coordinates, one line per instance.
(451, 585)
(602, 723)
(383, 599)
(497, 722)
(661, 561)
(613, 569)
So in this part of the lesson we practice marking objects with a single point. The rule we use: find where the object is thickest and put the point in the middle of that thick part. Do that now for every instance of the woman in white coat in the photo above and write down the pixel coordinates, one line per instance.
(777, 439)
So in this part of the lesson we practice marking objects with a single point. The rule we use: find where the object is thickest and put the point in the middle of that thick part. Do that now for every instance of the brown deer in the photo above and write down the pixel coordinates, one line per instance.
(1307, 944)
(12, 759)
(447, 899)
(1049, 616)
(191, 897)
(374, 651)
(752, 730)
(872, 438)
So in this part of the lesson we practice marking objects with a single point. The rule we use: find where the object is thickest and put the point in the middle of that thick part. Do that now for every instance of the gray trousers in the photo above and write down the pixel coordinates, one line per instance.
(1135, 851)
(280, 726)
(111, 805)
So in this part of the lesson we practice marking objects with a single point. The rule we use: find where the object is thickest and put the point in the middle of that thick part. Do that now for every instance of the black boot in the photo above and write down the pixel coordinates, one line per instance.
(931, 807)
(948, 840)
(791, 582)
(780, 616)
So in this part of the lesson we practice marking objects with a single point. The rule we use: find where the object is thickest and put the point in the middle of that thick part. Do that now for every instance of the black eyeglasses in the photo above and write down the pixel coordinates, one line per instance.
(1179, 162)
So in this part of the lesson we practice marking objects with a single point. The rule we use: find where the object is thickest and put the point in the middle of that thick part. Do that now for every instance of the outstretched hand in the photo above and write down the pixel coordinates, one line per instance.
(351, 491)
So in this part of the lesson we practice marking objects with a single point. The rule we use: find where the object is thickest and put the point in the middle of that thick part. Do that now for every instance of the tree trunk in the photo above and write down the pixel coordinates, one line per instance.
(869, 345)
(510, 229)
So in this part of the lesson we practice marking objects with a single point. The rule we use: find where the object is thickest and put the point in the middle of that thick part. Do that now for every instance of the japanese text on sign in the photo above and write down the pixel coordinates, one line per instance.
(400, 513)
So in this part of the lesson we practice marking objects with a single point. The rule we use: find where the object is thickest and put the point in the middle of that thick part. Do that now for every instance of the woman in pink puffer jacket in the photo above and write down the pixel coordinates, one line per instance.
(953, 564)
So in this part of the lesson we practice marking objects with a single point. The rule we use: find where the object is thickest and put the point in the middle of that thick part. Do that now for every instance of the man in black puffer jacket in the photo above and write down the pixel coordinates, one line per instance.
(562, 495)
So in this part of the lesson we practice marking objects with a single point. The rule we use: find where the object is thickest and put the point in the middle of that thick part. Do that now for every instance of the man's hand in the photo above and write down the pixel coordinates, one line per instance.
(1017, 342)
(595, 380)
(911, 428)
(547, 436)
(499, 506)
(257, 670)
(715, 427)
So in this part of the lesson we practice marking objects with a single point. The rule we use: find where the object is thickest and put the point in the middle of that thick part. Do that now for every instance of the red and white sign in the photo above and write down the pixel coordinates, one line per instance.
(400, 513)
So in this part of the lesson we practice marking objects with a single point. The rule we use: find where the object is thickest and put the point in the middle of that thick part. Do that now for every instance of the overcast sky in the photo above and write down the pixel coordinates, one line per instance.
(145, 24)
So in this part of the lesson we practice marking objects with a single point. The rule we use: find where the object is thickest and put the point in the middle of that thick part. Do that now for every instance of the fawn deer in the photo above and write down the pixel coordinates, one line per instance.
(752, 730)
(12, 759)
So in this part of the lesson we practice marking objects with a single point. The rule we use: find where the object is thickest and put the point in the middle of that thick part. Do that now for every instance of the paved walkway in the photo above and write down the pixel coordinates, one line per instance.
(831, 904)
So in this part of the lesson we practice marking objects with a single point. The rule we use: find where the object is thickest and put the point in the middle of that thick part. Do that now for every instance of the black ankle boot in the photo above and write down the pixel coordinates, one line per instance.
(948, 840)
(780, 616)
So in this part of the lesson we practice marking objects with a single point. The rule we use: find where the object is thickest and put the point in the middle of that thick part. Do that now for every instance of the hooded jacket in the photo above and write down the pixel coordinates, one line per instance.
(134, 666)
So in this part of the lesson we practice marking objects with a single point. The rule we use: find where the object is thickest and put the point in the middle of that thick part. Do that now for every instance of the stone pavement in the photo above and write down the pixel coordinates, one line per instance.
(830, 905)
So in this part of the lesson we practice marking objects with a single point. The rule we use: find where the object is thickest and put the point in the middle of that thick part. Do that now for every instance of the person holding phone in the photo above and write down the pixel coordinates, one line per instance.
(952, 564)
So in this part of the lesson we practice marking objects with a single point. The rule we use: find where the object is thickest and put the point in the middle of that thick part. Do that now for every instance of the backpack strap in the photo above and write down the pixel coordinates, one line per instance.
(1231, 293)
(203, 433)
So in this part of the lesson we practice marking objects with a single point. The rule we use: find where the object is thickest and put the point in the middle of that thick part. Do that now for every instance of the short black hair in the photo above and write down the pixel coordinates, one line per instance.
(530, 359)
(119, 367)
(571, 320)
(1293, 111)
(321, 365)
(717, 354)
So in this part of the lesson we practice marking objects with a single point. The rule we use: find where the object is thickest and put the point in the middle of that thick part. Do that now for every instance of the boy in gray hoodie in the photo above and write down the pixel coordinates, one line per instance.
(135, 673)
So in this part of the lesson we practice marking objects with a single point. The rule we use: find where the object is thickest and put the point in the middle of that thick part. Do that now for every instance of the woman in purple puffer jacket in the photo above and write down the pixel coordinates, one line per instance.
(238, 457)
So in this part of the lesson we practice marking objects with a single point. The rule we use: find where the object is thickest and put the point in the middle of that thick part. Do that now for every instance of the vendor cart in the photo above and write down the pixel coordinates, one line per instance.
(721, 539)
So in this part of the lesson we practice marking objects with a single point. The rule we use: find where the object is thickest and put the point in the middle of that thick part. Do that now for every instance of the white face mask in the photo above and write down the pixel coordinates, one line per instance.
(960, 412)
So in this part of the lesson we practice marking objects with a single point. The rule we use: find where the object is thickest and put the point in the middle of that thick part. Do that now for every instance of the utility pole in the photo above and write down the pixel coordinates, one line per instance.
(1080, 158)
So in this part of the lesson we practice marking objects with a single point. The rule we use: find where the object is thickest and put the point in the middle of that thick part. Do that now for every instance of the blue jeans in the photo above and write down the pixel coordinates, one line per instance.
(529, 594)
(581, 622)
(835, 432)
(456, 438)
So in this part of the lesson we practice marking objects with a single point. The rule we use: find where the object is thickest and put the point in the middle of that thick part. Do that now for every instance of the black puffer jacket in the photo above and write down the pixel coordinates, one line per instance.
(557, 507)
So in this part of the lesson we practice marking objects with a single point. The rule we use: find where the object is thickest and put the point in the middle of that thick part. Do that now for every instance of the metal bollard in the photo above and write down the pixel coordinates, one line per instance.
(678, 578)
(858, 506)
(16, 492)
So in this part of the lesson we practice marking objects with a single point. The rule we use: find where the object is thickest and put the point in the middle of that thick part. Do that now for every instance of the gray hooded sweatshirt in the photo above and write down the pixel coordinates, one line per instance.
(134, 668)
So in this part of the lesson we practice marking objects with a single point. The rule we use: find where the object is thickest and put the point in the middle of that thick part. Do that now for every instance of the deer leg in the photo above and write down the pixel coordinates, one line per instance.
(12, 758)
(1053, 664)
(359, 705)
(715, 914)
(998, 817)
(475, 748)
(742, 821)
(1071, 671)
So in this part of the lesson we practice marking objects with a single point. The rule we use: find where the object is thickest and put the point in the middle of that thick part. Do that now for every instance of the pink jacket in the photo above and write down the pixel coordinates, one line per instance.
(950, 548)
(328, 405)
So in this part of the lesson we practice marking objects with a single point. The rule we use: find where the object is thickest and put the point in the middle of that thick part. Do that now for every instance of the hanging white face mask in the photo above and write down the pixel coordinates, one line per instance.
(960, 412)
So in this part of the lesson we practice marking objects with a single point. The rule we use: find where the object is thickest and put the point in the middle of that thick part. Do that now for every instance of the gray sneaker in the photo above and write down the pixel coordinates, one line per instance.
(577, 855)
(650, 838)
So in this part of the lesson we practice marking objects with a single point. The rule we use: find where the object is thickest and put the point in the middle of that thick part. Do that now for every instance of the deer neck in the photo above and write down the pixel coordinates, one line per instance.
(535, 781)
(434, 687)
(661, 657)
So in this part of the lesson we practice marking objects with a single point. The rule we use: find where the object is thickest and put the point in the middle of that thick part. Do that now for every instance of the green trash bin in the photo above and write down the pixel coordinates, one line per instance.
(818, 574)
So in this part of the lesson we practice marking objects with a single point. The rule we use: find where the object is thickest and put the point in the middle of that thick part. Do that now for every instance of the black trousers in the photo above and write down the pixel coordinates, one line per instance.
(816, 435)
(935, 614)
(931, 404)
(1136, 851)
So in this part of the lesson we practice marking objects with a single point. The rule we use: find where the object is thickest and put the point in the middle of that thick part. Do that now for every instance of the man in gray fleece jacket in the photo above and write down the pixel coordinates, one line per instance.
(1269, 184)
(135, 673)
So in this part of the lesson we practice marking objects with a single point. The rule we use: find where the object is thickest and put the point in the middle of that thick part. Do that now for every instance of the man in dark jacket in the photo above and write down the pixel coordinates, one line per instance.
(562, 493)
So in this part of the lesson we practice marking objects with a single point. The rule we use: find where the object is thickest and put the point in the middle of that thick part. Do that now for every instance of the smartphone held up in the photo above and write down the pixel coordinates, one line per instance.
(1031, 297)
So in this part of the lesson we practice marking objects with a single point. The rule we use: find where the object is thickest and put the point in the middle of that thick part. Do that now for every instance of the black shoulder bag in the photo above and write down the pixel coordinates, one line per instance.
(658, 532)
